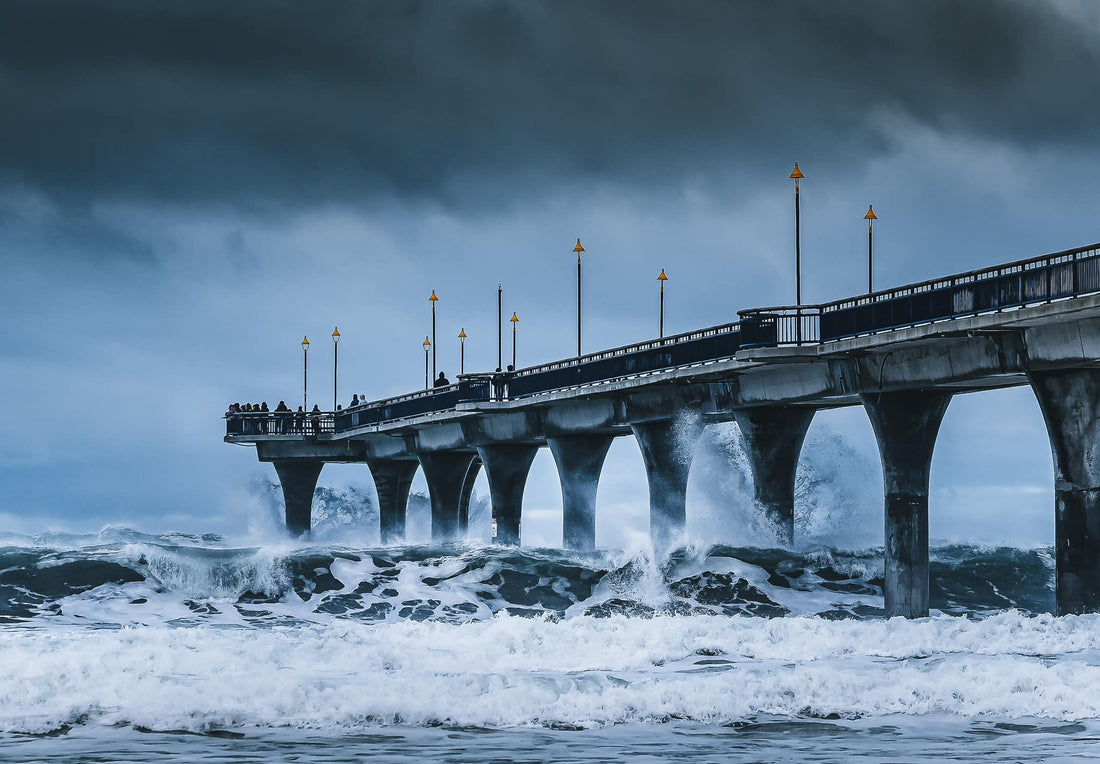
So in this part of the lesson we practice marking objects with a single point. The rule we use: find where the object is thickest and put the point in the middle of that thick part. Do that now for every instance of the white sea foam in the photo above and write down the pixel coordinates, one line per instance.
(507, 671)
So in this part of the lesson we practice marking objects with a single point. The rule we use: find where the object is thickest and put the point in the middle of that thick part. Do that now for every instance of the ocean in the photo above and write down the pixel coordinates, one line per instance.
(122, 646)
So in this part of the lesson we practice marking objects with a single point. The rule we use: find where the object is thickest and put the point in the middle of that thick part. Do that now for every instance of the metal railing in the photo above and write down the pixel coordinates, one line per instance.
(265, 423)
(700, 346)
(414, 404)
(1056, 276)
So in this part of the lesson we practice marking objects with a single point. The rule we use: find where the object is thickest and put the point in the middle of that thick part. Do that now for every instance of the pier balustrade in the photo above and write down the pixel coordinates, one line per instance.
(1061, 275)
(268, 423)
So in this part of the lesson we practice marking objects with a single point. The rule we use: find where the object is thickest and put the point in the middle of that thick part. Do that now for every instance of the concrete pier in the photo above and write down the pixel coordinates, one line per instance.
(906, 425)
(298, 479)
(445, 472)
(579, 459)
(900, 353)
(668, 446)
(392, 481)
(773, 437)
(506, 467)
(1070, 402)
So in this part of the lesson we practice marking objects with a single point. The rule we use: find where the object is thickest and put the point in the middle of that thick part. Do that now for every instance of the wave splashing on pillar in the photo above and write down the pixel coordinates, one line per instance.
(122, 577)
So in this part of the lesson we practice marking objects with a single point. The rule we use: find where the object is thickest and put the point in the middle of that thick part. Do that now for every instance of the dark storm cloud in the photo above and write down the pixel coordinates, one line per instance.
(265, 104)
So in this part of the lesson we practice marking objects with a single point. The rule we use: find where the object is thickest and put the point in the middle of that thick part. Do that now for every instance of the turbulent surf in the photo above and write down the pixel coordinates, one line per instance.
(184, 634)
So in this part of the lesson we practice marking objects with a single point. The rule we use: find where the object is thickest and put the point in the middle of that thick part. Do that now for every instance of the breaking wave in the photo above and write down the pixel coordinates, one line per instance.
(187, 633)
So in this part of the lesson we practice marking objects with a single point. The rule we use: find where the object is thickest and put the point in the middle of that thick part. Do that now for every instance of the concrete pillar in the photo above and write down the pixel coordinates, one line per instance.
(392, 481)
(668, 446)
(298, 479)
(773, 437)
(506, 467)
(906, 424)
(467, 493)
(445, 472)
(1070, 402)
(579, 459)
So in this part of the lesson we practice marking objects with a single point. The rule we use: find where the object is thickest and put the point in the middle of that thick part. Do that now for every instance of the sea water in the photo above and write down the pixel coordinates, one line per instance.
(128, 647)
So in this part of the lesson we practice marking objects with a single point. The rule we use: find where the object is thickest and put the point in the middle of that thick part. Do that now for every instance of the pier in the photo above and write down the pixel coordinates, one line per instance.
(901, 354)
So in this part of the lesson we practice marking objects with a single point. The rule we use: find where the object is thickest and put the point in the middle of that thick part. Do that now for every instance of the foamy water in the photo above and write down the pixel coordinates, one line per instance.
(120, 647)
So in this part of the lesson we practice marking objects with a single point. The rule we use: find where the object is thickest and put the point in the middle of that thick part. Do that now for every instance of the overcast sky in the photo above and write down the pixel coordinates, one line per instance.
(188, 188)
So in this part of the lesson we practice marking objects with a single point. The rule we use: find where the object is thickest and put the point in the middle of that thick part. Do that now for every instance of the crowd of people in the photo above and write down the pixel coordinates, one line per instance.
(281, 421)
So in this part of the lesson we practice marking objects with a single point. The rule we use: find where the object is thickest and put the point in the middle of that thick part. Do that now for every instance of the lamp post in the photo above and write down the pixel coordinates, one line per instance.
(500, 326)
(462, 351)
(662, 278)
(305, 373)
(515, 320)
(797, 176)
(433, 300)
(335, 362)
(427, 379)
(870, 217)
(578, 249)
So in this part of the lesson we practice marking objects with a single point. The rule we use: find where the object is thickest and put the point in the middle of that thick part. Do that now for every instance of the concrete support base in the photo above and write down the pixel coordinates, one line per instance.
(445, 472)
(668, 446)
(774, 436)
(298, 480)
(506, 467)
(906, 425)
(467, 494)
(392, 481)
(580, 460)
(1070, 402)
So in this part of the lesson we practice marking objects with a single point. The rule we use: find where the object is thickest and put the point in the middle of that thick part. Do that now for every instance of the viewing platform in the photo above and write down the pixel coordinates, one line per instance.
(900, 353)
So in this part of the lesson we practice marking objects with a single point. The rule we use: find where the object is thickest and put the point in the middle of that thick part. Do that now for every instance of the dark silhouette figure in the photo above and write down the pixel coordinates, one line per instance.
(441, 380)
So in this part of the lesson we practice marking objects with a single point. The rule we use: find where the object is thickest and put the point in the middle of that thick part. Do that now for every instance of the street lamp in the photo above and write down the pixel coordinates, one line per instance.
(462, 351)
(797, 176)
(305, 373)
(870, 217)
(335, 362)
(662, 278)
(427, 379)
(500, 325)
(433, 300)
(515, 320)
(578, 249)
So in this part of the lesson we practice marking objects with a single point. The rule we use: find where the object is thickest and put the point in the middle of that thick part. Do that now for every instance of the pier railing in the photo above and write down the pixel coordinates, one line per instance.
(414, 404)
(1060, 275)
(266, 423)
(700, 346)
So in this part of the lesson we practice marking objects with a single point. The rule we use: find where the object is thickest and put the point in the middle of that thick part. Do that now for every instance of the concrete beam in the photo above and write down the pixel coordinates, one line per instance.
(661, 403)
(387, 446)
(1062, 345)
(906, 425)
(298, 479)
(1070, 402)
(581, 417)
(445, 472)
(782, 383)
(944, 360)
(503, 427)
(440, 437)
(668, 446)
(774, 436)
(343, 451)
(392, 481)
(579, 459)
